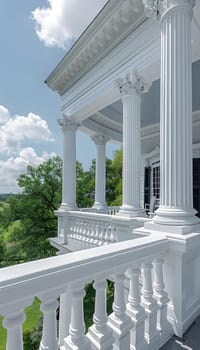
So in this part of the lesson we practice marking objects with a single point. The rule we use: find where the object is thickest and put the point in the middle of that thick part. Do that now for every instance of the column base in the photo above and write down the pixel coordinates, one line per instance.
(68, 207)
(174, 220)
(100, 207)
(131, 211)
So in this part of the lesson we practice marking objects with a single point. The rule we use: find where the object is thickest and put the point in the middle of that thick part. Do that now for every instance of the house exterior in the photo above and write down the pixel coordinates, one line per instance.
(133, 77)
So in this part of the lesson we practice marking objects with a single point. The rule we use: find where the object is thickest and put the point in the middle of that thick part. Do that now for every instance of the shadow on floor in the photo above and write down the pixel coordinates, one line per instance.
(190, 340)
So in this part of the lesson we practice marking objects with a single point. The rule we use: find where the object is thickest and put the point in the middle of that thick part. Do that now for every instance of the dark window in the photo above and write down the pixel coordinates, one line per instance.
(196, 184)
(147, 185)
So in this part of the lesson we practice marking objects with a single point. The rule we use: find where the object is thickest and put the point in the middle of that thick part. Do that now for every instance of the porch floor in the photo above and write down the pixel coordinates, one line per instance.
(190, 340)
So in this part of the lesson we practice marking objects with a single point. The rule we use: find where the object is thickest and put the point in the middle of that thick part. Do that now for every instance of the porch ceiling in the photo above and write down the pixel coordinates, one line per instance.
(109, 120)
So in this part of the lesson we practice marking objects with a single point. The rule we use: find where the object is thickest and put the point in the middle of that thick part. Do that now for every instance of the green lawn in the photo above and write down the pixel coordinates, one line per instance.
(33, 314)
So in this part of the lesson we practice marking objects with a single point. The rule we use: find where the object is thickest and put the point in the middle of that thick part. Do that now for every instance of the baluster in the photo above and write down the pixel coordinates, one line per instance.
(119, 321)
(64, 316)
(112, 235)
(49, 306)
(91, 240)
(151, 307)
(106, 233)
(101, 236)
(136, 311)
(87, 238)
(81, 226)
(14, 317)
(97, 234)
(73, 231)
(77, 339)
(100, 334)
(161, 296)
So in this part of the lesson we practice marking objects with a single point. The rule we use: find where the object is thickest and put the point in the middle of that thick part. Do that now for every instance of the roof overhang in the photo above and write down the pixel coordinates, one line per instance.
(111, 26)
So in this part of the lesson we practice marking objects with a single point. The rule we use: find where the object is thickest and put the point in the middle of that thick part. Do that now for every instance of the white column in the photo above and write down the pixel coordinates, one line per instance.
(176, 192)
(100, 173)
(131, 88)
(69, 164)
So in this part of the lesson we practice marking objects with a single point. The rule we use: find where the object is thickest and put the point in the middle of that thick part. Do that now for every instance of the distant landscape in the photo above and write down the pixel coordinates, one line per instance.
(27, 220)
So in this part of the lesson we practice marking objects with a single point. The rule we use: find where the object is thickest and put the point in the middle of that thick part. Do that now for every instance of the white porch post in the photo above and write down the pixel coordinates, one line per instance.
(69, 164)
(176, 192)
(131, 87)
(100, 174)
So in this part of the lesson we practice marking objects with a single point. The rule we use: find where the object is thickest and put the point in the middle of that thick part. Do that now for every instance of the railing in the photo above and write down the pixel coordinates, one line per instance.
(113, 210)
(141, 322)
(94, 229)
(110, 210)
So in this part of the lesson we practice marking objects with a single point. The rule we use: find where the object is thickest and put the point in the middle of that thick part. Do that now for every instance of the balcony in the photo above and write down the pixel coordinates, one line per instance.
(137, 320)
(144, 315)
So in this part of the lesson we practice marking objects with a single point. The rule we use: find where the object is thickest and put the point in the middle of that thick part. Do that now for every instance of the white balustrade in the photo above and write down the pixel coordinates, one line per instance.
(49, 306)
(113, 210)
(100, 334)
(119, 321)
(160, 295)
(136, 311)
(150, 305)
(50, 278)
(97, 229)
(77, 339)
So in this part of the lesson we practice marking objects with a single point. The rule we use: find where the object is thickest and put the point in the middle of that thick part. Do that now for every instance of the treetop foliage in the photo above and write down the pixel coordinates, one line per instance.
(40, 197)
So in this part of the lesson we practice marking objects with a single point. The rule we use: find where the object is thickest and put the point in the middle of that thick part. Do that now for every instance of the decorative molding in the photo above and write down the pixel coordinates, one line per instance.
(67, 124)
(158, 8)
(114, 23)
(132, 83)
(99, 139)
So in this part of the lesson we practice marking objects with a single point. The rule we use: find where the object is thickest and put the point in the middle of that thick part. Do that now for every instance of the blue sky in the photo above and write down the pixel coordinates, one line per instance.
(34, 36)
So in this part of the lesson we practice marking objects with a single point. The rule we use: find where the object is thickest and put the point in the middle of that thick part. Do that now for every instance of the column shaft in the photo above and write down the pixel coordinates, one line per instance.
(176, 192)
(69, 164)
(131, 87)
(100, 172)
(131, 151)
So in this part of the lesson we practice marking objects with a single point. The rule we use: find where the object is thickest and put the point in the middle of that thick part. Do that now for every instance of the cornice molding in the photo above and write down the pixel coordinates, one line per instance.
(113, 24)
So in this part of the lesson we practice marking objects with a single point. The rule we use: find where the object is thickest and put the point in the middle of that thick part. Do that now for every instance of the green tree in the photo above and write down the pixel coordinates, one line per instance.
(114, 179)
(41, 196)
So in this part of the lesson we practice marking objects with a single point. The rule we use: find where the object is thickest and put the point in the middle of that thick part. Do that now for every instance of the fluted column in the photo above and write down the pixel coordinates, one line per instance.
(131, 87)
(69, 164)
(100, 173)
(176, 192)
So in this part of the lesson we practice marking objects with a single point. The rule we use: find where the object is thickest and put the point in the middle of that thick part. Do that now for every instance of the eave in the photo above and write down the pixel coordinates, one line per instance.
(111, 26)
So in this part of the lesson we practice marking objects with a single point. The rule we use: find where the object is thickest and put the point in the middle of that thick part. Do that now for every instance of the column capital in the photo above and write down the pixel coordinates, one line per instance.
(132, 83)
(158, 8)
(100, 139)
(67, 124)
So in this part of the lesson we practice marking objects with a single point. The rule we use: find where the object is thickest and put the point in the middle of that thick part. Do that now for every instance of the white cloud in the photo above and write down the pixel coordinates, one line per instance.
(63, 21)
(20, 128)
(11, 168)
(14, 130)
(4, 114)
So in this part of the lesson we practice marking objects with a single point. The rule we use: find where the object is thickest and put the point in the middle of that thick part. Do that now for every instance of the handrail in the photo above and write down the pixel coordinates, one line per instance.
(34, 277)
(64, 277)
